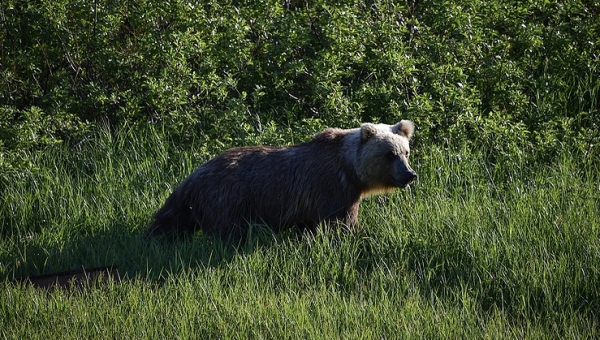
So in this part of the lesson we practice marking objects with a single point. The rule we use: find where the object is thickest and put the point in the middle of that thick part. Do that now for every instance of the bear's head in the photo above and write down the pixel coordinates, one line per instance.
(382, 156)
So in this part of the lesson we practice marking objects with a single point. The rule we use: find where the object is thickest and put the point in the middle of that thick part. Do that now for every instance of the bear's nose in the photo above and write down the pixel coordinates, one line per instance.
(407, 178)
(411, 176)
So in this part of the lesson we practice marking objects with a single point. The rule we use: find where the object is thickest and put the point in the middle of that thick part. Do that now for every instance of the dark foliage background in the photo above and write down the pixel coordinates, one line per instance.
(516, 78)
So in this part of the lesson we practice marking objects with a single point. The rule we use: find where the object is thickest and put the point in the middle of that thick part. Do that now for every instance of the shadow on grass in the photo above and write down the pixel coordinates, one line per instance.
(133, 255)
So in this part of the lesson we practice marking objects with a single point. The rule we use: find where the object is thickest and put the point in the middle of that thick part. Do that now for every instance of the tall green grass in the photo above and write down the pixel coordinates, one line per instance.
(471, 250)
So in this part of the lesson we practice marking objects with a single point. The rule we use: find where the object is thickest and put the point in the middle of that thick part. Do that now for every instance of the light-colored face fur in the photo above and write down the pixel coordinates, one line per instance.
(381, 161)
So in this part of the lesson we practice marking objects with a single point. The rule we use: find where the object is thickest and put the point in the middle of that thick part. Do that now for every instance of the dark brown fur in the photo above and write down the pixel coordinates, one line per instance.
(300, 185)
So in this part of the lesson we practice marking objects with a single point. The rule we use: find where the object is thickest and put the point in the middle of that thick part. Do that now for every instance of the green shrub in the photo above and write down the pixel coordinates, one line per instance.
(510, 77)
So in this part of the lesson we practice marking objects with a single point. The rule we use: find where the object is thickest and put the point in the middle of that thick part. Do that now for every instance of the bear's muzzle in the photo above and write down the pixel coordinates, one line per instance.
(406, 178)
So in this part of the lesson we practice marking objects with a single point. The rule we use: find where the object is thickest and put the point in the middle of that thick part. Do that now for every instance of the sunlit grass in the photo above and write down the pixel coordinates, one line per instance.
(469, 251)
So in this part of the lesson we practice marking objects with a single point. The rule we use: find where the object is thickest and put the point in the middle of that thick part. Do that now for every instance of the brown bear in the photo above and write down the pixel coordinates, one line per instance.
(300, 185)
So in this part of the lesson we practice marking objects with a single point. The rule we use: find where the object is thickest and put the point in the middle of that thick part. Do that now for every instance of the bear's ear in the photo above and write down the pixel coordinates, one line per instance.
(367, 130)
(404, 127)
